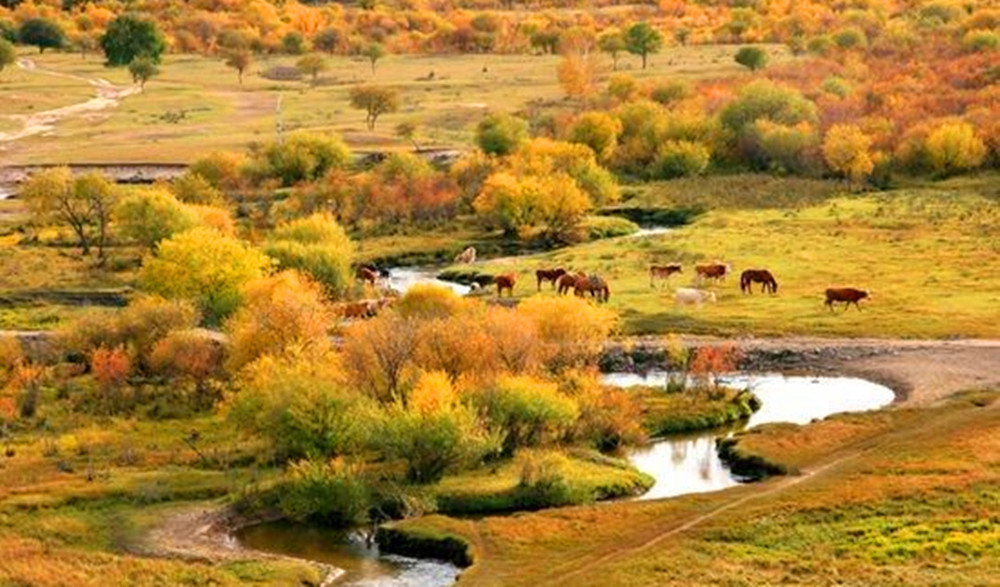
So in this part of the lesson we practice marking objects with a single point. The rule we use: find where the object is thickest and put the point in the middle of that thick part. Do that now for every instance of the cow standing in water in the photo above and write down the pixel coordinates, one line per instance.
(848, 295)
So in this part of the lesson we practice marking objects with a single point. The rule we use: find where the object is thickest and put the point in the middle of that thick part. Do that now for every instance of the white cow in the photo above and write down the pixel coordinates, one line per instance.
(467, 256)
(690, 295)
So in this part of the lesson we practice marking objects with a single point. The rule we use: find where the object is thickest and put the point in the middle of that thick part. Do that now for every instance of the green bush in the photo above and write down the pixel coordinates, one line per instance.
(527, 412)
(598, 227)
(680, 159)
(544, 483)
(753, 58)
(431, 442)
(981, 40)
(328, 492)
(501, 134)
(316, 245)
(299, 405)
(299, 157)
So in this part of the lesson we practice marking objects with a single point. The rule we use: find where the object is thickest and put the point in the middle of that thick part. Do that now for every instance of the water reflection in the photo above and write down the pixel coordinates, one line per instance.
(347, 550)
(690, 464)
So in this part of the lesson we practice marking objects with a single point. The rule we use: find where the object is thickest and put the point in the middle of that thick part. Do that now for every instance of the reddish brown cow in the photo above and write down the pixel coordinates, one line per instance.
(505, 282)
(595, 285)
(552, 275)
(761, 276)
(712, 271)
(367, 275)
(664, 271)
(568, 282)
(848, 295)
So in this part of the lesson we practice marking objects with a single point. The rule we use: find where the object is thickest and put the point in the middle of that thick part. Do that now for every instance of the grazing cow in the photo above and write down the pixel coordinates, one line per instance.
(664, 271)
(364, 308)
(505, 282)
(595, 285)
(848, 295)
(761, 276)
(713, 271)
(552, 275)
(689, 295)
(367, 275)
(467, 256)
(568, 282)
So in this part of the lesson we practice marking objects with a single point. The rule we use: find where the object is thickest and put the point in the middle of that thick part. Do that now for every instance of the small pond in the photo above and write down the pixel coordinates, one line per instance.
(690, 463)
(347, 550)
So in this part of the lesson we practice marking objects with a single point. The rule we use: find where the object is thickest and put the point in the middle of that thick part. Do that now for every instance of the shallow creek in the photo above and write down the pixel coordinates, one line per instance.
(690, 463)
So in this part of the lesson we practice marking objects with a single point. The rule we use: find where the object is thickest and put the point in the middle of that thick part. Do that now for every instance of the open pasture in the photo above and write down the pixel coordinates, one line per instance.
(196, 104)
(927, 254)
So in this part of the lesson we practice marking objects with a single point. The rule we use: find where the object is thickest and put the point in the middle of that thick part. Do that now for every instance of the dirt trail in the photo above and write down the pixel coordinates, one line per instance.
(107, 96)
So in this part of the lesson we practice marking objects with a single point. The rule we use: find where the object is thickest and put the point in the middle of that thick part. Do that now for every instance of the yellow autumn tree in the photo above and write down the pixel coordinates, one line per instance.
(279, 312)
(954, 147)
(432, 392)
(846, 151)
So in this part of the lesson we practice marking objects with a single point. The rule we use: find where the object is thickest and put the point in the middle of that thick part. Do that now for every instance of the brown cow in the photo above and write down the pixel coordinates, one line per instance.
(595, 285)
(713, 271)
(552, 275)
(848, 295)
(364, 308)
(664, 271)
(505, 282)
(761, 276)
(367, 275)
(568, 282)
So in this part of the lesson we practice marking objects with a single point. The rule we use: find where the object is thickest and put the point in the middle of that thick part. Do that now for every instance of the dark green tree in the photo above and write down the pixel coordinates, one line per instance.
(642, 39)
(129, 37)
(42, 33)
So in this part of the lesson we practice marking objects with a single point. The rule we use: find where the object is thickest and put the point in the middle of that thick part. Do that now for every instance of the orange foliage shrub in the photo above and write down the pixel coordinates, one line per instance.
(707, 363)
(187, 354)
(432, 392)
(110, 366)
(572, 330)
(280, 311)
(425, 301)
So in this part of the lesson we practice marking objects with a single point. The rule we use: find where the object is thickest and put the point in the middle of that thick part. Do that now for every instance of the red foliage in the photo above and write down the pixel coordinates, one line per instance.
(111, 367)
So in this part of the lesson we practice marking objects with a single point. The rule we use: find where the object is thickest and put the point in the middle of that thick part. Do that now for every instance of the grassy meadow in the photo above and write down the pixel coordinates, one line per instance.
(196, 105)
(927, 253)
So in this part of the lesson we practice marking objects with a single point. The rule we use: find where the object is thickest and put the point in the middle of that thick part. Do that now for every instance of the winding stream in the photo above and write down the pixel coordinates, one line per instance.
(691, 464)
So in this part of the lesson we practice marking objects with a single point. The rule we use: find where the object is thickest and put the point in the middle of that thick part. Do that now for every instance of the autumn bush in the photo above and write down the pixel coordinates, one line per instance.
(329, 492)
(187, 354)
(424, 301)
(432, 442)
(526, 412)
(302, 405)
(316, 245)
(279, 312)
(148, 216)
(111, 367)
(298, 157)
(379, 354)
(572, 331)
(708, 362)
(138, 328)
(204, 267)
(610, 417)
(11, 354)
(194, 188)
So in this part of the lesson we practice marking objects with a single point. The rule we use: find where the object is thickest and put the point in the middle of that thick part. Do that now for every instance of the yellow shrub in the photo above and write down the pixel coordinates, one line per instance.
(572, 329)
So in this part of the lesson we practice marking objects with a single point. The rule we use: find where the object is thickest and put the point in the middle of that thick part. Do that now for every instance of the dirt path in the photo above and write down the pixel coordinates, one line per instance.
(107, 96)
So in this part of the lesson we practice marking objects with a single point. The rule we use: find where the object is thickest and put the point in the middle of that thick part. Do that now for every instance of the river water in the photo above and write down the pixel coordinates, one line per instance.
(346, 550)
(690, 463)
(402, 279)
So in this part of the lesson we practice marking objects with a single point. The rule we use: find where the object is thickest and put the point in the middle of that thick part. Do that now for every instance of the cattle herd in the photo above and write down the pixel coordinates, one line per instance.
(583, 284)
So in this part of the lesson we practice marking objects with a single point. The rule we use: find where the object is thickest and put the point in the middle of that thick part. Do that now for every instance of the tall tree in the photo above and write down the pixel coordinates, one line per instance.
(239, 60)
(375, 101)
(84, 204)
(373, 53)
(129, 37)
(642, 39)
(612, 42)
(142, 69)
(42, 33)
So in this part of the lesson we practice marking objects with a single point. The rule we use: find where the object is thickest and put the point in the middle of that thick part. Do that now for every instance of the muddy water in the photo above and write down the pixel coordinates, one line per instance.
(690, 464)
(346, 550)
